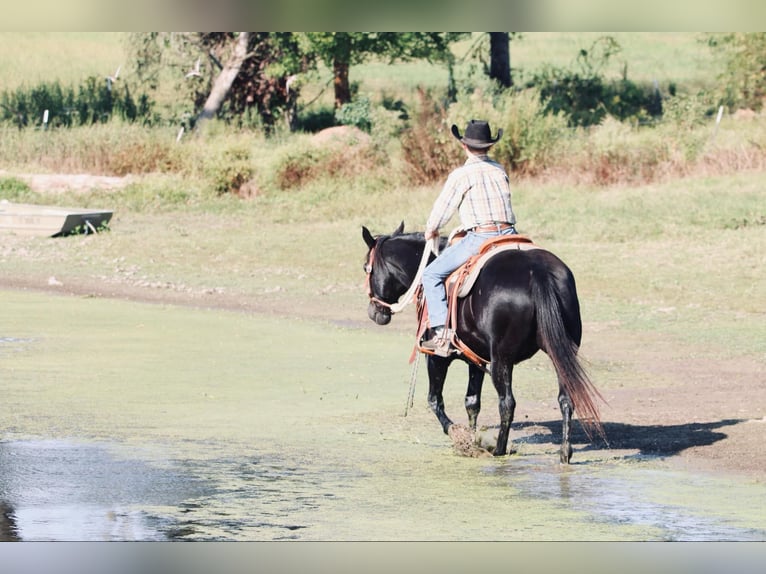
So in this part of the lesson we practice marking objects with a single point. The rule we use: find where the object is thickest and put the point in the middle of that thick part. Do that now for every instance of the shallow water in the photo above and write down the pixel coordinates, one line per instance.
(122, 421)
(616, 494)
(62, 490)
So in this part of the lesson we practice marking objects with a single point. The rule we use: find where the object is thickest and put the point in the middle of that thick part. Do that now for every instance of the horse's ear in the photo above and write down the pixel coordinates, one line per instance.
(368, 238)
(399, 230)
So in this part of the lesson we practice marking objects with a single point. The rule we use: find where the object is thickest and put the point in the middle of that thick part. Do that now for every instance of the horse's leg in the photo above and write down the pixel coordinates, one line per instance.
(565, 404)
(473, 394)
(502, 373)
(437, 374)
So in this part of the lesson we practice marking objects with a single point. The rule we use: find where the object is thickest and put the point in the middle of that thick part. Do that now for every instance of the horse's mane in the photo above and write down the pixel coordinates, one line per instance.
(390, 264)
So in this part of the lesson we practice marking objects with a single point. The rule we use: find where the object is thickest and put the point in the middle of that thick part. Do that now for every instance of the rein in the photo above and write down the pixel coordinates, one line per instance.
(406, 299)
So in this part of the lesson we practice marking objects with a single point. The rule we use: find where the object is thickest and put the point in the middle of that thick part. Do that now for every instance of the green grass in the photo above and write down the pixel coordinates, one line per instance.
(666, 57)
(29, 58)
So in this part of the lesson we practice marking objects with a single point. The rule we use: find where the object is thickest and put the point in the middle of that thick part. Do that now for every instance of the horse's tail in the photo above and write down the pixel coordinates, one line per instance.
(562, 349)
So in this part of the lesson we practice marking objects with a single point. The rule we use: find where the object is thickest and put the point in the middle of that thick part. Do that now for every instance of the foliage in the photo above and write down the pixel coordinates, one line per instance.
(687, 111)
(89, 103)
(345, 159)
(586, 97)
(531, 135)
(428, 147)
(259, 95)
(532, 140)
(341, 50)
(744, 75)
(356, 113)
(315, 120)
(229, 169)
(15, 190)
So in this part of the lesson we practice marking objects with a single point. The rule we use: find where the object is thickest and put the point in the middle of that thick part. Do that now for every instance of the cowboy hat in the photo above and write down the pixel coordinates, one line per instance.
(477, 134)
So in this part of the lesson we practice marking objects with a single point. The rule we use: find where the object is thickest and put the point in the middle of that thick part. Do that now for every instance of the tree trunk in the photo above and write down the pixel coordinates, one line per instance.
(341, 62)
(340, 81)
(500, 58)
(225, 79)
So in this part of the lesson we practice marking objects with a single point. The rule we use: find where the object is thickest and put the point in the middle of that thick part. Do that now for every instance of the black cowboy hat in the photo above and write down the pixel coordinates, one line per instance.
(477, 134)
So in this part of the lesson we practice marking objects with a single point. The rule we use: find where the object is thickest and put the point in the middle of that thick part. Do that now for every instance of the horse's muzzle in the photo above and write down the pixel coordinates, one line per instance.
(380, 315)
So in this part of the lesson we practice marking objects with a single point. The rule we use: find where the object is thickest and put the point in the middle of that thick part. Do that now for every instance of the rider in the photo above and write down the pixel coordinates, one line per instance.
(480, 192)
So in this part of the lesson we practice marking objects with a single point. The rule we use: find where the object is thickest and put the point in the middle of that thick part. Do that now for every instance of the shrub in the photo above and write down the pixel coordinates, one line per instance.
(91, 102)
(13, 189)
(428, 147)
(744, 79)
(356, 113)
(345, 156)
(230, 169)
(586, 97)
(533, 137)
(317, 120)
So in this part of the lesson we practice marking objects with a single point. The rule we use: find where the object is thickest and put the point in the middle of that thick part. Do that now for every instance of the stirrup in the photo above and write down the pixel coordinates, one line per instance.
(439, 345)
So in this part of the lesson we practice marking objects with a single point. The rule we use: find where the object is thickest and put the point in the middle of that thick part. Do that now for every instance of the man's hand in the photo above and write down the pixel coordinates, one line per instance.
(432, 234)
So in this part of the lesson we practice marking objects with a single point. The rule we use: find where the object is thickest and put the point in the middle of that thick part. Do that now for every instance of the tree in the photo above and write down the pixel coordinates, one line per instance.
(225, 74)
(341, 50)
(744, 76)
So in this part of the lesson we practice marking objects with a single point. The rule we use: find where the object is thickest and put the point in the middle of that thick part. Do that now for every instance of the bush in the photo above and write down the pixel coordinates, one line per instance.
(15, 190)
(344, 156)
(430, 152)
(230, 169)
(314, 121)
(744, 79)
(586, 97)
(91, 102)
(532, 137)
(356, 113)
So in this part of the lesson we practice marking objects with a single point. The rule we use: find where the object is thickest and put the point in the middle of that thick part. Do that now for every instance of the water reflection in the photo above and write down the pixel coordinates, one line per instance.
(55, 490)
(8, 528)
(627, 495)
(63, 491)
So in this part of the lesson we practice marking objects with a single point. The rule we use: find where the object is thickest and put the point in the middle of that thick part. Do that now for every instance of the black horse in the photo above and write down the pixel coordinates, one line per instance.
(522, 301)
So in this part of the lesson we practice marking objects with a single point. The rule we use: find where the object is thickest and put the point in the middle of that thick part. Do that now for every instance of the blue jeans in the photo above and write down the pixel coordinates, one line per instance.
(439, 269)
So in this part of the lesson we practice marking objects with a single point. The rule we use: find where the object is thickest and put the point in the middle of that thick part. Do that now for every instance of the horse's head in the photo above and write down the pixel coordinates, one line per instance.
(390, 268)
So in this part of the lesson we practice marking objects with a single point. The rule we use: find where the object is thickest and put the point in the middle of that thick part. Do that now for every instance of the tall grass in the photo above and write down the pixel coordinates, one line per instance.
(103, 149)
(535, 145)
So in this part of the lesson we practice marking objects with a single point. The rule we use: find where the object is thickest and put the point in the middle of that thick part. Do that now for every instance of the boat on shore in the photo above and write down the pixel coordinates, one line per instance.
(50, 221)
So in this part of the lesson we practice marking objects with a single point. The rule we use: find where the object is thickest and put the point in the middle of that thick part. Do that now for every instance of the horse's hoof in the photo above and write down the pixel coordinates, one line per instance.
(464, 443)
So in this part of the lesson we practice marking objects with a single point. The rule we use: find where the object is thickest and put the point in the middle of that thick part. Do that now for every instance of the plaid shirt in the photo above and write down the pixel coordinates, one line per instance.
(479, 189)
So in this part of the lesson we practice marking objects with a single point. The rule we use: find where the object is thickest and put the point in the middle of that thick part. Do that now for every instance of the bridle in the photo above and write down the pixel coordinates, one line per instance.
(406, 298)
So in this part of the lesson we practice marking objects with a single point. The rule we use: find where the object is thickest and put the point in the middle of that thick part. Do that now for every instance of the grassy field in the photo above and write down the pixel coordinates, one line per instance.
(69, 57)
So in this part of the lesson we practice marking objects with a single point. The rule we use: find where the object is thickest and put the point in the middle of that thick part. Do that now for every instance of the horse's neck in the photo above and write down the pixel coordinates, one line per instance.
(409, 253)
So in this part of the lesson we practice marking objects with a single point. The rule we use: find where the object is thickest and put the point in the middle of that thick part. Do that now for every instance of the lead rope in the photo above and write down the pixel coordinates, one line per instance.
(406, 299)
(413, 378)
(431, 247)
